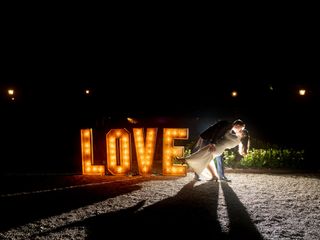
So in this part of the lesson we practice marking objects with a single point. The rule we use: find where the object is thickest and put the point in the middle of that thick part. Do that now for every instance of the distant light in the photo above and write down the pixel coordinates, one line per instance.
(11, 92)
(12, 98)
(87, 91)
(302, 92)
(131, 120)
(270, 88)
(234, 93)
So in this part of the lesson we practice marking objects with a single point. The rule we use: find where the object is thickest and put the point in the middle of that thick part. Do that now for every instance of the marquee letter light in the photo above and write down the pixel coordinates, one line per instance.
(88, 167)
(145, 148)
(170, 151)
(118, 151)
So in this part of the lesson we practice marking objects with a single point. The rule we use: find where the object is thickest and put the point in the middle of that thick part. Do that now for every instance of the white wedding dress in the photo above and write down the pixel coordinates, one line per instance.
(200, 159)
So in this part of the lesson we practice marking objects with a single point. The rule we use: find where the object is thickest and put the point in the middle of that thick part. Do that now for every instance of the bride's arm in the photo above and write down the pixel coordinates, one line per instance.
(244, 144)
(241, 149)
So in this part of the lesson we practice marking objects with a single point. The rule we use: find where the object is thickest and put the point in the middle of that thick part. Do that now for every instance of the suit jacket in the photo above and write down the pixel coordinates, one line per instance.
(216, 131)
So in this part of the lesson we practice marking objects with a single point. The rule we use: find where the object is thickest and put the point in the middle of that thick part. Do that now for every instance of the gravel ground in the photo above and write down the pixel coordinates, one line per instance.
(252, 206)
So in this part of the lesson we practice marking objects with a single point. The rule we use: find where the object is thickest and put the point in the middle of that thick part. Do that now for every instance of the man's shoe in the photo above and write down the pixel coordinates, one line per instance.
(225, 179)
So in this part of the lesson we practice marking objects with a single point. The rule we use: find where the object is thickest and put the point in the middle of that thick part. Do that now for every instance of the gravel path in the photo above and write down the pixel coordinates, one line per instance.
(252, 206)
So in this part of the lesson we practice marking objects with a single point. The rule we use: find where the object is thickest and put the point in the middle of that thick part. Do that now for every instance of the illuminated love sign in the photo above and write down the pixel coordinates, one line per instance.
(119, 156)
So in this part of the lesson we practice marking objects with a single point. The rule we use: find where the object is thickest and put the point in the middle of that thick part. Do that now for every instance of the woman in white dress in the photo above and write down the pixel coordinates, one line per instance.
(202, 159)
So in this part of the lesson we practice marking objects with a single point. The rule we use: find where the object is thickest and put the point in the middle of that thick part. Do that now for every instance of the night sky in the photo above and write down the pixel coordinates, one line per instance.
(180, 73)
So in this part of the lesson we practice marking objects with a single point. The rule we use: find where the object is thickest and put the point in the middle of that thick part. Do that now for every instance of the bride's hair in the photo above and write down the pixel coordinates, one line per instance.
(245, 141)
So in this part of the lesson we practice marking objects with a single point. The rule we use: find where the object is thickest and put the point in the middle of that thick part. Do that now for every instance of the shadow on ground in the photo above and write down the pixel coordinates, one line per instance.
(24, 208)
(190, 213)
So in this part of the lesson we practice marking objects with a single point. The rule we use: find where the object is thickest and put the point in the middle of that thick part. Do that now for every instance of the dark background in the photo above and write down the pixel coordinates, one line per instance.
(159, 70)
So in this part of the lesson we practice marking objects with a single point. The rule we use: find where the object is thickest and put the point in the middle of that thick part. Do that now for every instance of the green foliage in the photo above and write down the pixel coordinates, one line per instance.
(265, 155)
(230, 159)
(265, 158)
(261, 155)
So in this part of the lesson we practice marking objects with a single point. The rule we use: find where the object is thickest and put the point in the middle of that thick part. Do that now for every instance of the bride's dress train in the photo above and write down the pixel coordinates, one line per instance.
(199, 160)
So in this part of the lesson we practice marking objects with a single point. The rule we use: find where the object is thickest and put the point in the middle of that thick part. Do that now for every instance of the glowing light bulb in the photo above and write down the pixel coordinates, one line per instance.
(234, 93)
(302, 92)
